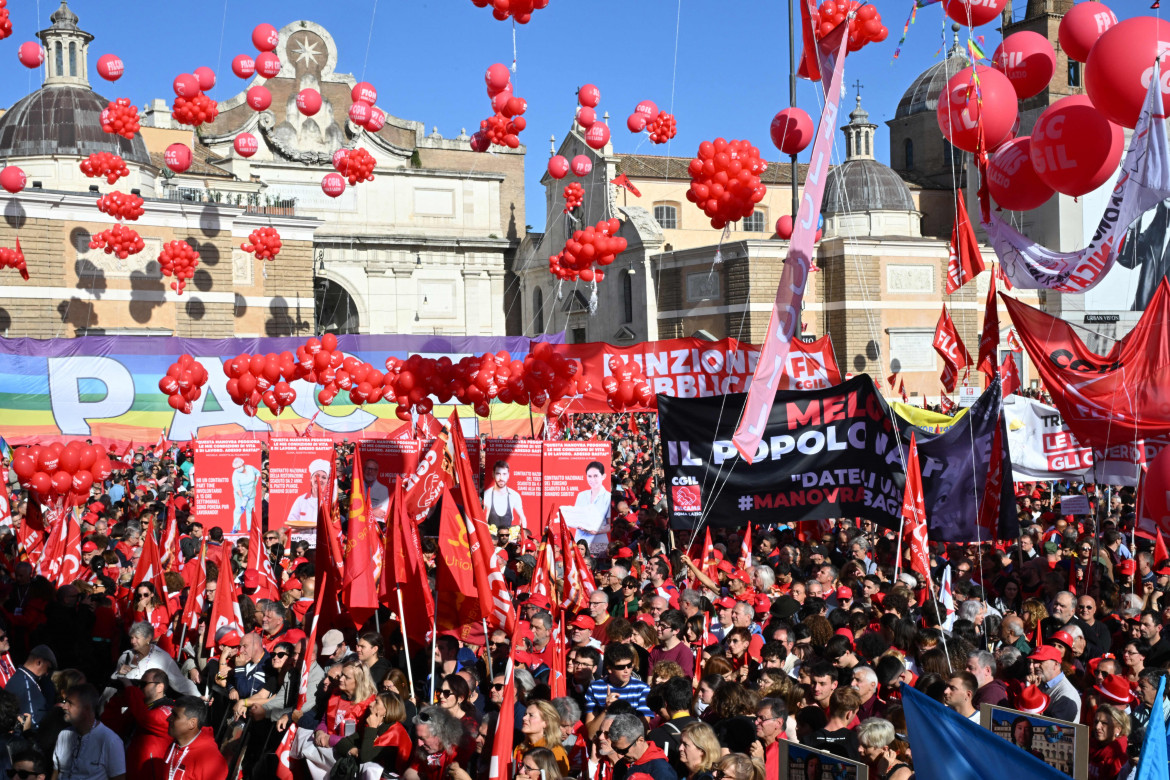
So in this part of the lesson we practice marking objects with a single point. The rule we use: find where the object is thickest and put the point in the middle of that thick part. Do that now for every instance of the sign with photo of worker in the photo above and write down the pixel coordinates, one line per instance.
(227, 484)
(1058, 743)
(298, 471)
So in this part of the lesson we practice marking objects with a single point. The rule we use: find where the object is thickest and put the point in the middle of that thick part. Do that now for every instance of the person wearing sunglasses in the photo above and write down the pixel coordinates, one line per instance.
(627, 737)
(619, 683)
(441, 743)
(381, 744)
(452, 695)
(278, 695)
(150, 708)
(28, 765)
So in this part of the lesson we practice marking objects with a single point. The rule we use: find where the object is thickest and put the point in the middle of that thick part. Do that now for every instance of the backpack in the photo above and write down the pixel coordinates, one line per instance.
(346, 768)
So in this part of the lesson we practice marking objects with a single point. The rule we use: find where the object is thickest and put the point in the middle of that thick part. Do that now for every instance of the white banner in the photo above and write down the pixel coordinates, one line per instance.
(1042, 447)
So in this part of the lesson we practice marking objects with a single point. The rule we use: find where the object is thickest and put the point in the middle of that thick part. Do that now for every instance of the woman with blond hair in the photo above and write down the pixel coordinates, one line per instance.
(1108, 742)
(875, 738)
(737, 766)
(541, 727)
(698, 750)
(539, 764)
(380, 739)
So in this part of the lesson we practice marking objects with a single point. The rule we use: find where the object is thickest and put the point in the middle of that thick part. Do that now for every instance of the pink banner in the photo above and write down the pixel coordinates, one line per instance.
(784, 324)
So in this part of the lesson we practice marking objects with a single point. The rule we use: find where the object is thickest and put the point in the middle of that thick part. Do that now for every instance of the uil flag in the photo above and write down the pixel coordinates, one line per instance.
(948, 344)
(359, 589)
(745, 549)
(1009, 374)
(61, 561)
(902, 391)
(989, 338)
(225, 610)
(710, 563)
(1013, 341)
(966, 261)
(150, 569)
(459, 604)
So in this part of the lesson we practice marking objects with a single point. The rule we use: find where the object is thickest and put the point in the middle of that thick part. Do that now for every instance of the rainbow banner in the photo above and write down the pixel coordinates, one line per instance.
(105, 389)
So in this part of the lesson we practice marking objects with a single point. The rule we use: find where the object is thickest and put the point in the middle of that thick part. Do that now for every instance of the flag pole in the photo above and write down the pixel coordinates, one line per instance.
(406, 642)
(434, 649)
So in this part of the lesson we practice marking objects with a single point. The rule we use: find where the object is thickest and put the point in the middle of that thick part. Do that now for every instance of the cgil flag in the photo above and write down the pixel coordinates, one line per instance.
(914, 514)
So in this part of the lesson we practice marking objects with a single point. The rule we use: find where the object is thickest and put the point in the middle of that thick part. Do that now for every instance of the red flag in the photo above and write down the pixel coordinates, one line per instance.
(578, 581)
(1002, 276)
(426, 484)
(946, 403)
(710, 564)
(948, 344)
(993, 487)
(459, 610)
(127, 459)
(892, 379)
(1013, 341)
(225, 610)
(405, 574)
(1160, 553)
(284, 749)
(61, 561)
(557, 682)
(624, 181)
(403, 432)
(493, 589)
(258, 560)
(745, 548)
(162, 445)
(359, 590)
(193, 606)
(427, 426)
(966, 261)
(150, 569)
(989, 338)
(902, 391)
(500, 767)
(914, 513)
(1009, 374)
(171, 556)
(633, 425)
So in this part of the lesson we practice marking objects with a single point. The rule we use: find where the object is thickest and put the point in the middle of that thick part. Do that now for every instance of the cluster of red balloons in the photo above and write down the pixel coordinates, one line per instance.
(12, 179)
(865, 26)
(265, 38)
(362, 111)
(596, 133)
(110, 67)
(5, 21)
(118, 240)
(559, 167)
(626, 386)
(183, 383)
(319, 360)
(574, 195)
(105, 164)
(644, 113)
(61, 471)
(264, 242)
(663, 128)
(598, 245)
(120, 118)
(14, 258)
(356, 165)
(792, 130)
(194, 111)
(120, 205)
(177, 157)
(262, 379)
(178, 259)
(503, 128)
(725, 180)
(519, 10)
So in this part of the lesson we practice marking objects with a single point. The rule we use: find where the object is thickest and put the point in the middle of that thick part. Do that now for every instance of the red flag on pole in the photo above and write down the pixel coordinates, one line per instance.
(193, 606)
(989, 338)
(914, 514)
(500, 767)
(423, 487)
(948, 344)
(1010, 374)
(171, 556)
(258, 560)
(966, 261)
(992, 487)
(359, 590)
(460, 609)
(225, 610)
(1160, 553)
(405, 575)
(745, 549)
(557, 681)
(902, 391)
(150, 569)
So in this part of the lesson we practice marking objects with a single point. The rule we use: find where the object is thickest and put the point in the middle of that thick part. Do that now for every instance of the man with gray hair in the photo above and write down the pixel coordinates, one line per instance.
(981, 664)
(865, 682)
(626, 735)
(764, 580)
(1011, 633)
(690, 602)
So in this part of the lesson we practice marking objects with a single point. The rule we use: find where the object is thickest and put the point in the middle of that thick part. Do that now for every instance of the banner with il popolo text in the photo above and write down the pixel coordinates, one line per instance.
(822, 454)
(105, 388)
(298, 469)
(1042, 446)
(227, 484)
(694, 368)
(382, 461)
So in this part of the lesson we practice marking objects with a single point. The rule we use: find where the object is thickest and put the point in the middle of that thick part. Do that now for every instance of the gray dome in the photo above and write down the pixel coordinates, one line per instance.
(865, 185)
(64, 120)
(923, 93)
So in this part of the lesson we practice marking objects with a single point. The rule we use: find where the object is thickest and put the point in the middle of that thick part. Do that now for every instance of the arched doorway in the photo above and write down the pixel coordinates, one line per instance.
(335, 309)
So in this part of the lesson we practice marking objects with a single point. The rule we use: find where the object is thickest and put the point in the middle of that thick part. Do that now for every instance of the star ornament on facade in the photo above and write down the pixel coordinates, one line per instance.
(305, 51)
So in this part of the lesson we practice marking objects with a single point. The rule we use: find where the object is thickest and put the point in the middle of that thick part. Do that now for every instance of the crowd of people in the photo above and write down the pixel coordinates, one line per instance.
(686, 663)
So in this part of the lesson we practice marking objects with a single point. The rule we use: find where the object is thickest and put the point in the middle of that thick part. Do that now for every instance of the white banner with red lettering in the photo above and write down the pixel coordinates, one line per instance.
(1042, 446)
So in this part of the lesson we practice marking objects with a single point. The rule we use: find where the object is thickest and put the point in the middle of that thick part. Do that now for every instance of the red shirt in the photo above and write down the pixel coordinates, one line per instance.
(200, 760)
(292, 635)
(150, 739)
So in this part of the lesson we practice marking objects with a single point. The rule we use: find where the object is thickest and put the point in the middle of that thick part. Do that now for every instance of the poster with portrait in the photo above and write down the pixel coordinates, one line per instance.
(577, 474)
(380, 462)
(799, 762)
(298, 470)
(227, 484)
(512, 484)
(1058, 743)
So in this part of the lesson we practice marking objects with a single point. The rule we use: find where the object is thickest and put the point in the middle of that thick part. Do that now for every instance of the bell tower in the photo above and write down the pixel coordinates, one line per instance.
(66, 50)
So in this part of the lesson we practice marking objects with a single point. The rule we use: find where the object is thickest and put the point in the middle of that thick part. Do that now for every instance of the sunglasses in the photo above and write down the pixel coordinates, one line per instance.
(621, 667)
(142, 594)
(280, 655)
(445, 693)
(498, 686)
(22, 773)
(498, 644)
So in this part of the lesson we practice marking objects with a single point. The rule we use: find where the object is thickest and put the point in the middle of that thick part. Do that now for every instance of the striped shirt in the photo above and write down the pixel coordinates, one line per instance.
(634, 692)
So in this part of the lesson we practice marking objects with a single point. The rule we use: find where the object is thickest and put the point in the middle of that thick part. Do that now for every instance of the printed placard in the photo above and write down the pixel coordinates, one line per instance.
(227, 483)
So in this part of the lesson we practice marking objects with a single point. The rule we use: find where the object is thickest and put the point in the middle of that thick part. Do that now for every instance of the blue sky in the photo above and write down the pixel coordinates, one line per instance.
(427, 60)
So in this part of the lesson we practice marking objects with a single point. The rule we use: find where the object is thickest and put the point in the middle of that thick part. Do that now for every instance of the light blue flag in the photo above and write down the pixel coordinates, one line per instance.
(1152, 765)
(5, 450)
(947, 745)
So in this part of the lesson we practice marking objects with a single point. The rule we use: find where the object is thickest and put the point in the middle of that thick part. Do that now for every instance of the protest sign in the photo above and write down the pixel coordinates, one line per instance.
(298, 468)
(227, 483)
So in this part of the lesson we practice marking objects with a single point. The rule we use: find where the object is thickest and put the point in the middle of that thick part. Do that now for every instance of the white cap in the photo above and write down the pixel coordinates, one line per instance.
(319, 465)
(237, 463)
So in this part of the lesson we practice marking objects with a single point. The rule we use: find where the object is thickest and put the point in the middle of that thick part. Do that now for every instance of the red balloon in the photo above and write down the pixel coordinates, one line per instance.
(558, 168)
(581, 165)
(62, 482)
(246, 144)
(586, 117)
(972, 13)
(31, 54)
(648, 109)
(364, 91)
(497, 77)
(186, 85)
(177, 157)
(784, 227)
(110, 67)
(259, 98)
(589, 96)
(23, 465)
(1082, 26)
(308, 101)
(206, 77)
(959, 110)
(598, 135)
(1075, 149)
(12, 179)
(244, 66)
(1028, 60)
(792, 130)
(41, 484)
(333, 184)
(265, 37)
(267, 64)
(1120, 66)
(636, 123)
(359, 112)
(1012, 179)
(82, 482)
(377, 119)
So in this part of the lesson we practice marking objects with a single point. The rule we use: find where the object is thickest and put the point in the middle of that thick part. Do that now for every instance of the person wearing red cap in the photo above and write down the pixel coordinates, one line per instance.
(580, 632)
(1065, 701)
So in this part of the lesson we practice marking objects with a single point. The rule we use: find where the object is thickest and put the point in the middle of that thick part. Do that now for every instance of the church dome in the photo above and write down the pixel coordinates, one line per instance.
(64, 120)
(924, 92)
(865, 185)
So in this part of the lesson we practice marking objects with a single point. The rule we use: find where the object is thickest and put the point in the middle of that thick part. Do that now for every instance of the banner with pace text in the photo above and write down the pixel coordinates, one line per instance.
(105, 388)
(227, 484)
(695, 368)
(298, 470)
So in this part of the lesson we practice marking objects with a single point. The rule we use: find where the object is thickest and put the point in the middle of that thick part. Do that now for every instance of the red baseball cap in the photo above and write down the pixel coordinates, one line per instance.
(1127, 567)
(291, 584)
(584, 621)
(727, 602)
(844, 593)
(762, 604)
(1046, 653)
(251, 579)
(625, 552)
